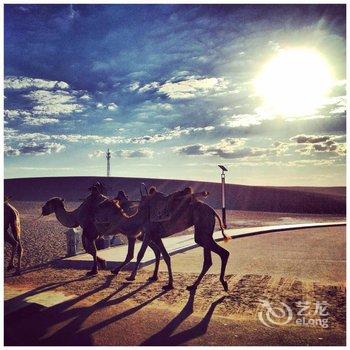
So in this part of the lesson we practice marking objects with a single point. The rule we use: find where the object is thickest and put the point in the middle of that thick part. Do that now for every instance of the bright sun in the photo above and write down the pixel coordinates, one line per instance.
(295, 82)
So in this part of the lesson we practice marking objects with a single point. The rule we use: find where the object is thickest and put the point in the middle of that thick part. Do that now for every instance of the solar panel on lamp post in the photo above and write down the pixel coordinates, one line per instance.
(223, 199)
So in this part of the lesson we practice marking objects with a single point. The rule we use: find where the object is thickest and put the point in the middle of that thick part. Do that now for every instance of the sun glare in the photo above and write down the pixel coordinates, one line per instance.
(295, 82)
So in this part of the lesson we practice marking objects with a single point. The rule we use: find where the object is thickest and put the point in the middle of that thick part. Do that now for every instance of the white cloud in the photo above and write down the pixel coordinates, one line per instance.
(244, 120)
(27, 118)
(151, 86)
(24, 83)
(97, 154)
(139, 153)
(229, 148)
(36, 148)
(14, 114)
(53, 102)
(169, 134)
(112, 106)
(13, 138)
(134, 86)
(38, 121)
(85, 97)
(193, 87)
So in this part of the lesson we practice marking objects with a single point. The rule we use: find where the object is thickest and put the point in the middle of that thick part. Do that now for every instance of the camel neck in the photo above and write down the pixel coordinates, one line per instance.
(66, 218)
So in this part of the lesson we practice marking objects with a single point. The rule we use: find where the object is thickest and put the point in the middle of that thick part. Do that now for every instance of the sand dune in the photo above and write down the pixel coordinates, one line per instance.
(315, 200)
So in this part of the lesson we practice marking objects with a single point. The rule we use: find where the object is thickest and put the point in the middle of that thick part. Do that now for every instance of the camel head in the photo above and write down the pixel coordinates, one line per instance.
(50, 206)
(145, 195)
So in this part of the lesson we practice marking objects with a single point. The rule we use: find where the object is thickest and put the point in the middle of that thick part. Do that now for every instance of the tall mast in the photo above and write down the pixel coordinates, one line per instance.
(108, 157)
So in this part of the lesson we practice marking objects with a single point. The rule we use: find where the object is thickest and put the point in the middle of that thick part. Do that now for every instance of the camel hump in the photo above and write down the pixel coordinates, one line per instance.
(121, 196)
(163, 208)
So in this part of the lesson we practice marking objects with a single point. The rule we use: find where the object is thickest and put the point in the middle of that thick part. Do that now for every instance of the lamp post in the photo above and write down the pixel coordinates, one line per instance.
(223, 199)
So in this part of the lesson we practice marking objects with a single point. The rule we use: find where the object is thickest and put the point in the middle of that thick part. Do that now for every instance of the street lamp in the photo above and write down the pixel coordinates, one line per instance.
(223, 168)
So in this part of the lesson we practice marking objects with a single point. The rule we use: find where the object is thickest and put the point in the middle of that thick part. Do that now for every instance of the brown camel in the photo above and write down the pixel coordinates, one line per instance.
(11, 219)
(193, 213)
(82, 216)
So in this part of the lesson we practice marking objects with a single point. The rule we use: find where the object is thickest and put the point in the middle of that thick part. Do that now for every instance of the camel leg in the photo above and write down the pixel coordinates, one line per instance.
(167, 260)
(19, 257)
(156, 251)
(16, 232)
(90, 247)
(207, 262)
(86, 245)
(224, 255)
(14, 244)
(145, 242)
(129, 255)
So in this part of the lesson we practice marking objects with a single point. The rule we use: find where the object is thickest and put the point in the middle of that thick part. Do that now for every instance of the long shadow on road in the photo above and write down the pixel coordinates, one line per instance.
(44, 328)
(71, 334)
(63, 324)
(165, 337)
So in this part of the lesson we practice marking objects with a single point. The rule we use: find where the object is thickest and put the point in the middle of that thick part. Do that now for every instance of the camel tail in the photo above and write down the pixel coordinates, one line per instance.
(226, 237)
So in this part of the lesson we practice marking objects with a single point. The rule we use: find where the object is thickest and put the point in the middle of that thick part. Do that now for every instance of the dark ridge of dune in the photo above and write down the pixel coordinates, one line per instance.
(336, 191)
(239, 197)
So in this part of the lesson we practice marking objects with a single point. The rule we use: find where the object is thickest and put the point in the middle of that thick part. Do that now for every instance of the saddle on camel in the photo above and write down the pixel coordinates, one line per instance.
(164, 207)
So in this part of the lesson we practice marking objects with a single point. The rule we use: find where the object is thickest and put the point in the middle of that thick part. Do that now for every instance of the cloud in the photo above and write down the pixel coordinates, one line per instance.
(139, 153)
(229, 148)
(244, 120)
(322, 143)
(193, 87)
(35, 148)
(169, 134)
(97, 154)
(53, 102)
(39, 121)
(309, 138)
(112, 106)
(13, 114)
(13, 137)
(85, 97)
(148, 87)
(27, 118)
(25, 83)
(10, 151)
(109, 106)
(134, 86)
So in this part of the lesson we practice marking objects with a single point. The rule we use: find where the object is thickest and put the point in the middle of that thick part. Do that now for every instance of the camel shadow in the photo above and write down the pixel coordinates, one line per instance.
(72, 334)
(11, 303)
(165, 337)
(38, 328)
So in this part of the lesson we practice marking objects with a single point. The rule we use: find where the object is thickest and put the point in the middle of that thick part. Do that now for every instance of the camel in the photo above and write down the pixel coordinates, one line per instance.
(193, 213)
(12, 219)
(82, 217)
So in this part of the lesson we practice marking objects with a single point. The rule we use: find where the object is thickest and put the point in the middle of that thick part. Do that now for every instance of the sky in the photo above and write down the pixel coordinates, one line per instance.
(172, 91)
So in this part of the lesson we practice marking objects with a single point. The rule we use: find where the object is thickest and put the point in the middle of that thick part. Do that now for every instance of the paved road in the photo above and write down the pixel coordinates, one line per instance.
(316, 254)
(177, 244)
(288, 266)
